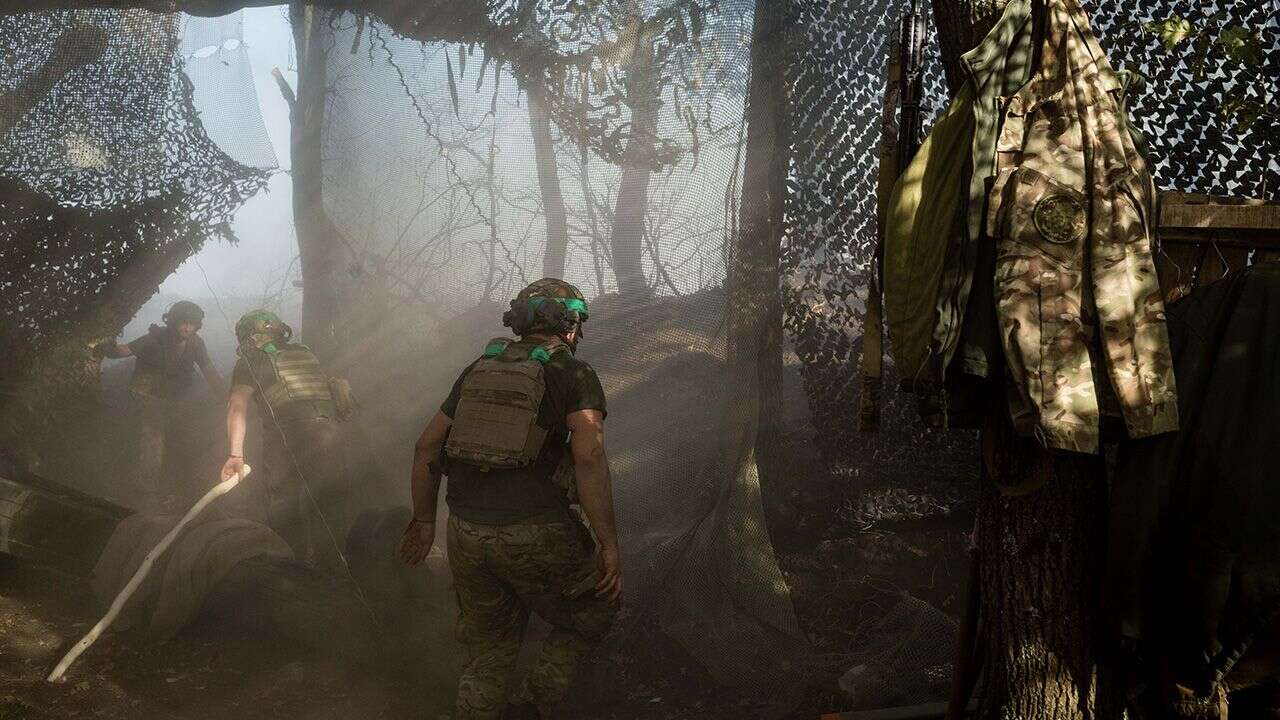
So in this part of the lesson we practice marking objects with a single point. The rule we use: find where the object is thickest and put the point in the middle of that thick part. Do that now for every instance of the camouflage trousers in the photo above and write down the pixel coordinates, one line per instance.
(154, 418)
(501, 573)
(304, 490)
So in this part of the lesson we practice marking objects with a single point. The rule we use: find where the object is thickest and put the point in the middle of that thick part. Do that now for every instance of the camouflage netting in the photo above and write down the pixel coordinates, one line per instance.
(453, 175)
(839, 92)
(110, 178)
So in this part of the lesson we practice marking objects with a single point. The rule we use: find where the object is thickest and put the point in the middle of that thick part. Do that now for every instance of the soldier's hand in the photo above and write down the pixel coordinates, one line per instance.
(609, 568)
(232, 467)
(417, 541)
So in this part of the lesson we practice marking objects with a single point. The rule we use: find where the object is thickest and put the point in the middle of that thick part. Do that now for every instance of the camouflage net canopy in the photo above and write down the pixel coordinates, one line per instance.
(110, 175)
(452, 174)
(610, 151)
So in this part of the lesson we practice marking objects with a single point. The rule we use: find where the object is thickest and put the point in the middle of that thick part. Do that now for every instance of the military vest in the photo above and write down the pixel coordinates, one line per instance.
(290, 381)
(496, 421)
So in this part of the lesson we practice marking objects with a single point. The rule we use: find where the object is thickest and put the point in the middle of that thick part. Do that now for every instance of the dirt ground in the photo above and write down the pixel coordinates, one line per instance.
(853, 540)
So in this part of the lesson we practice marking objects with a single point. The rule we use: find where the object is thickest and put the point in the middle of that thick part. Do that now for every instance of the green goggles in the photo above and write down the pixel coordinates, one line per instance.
(574, 304)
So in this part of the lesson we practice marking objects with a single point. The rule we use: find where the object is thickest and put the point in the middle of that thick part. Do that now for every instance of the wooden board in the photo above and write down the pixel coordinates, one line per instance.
(52, 525)
(1220, 217)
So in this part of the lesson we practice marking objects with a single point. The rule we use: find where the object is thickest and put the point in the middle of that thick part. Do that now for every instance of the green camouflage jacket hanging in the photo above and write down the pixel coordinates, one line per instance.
(1073, 213)
(936, 255)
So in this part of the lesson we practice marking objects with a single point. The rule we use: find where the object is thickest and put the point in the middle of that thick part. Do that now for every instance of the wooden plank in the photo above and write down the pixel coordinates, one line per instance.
(53, 526)
(1220, 217)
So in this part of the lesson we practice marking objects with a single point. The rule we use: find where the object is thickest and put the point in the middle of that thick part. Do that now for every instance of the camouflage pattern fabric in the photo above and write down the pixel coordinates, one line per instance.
(503, 572)
(1072, 208)
(154, 417)
(305, 515)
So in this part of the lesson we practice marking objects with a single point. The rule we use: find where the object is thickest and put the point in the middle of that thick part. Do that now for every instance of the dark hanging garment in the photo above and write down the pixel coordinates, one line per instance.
(1194, 571)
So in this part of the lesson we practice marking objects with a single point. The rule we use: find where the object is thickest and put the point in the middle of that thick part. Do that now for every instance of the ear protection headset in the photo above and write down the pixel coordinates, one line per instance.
(559, 315)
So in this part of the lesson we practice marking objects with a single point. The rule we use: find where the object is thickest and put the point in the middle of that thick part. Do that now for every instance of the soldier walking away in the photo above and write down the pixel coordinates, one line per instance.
(303, 484)
(161, 376)
(515, 545)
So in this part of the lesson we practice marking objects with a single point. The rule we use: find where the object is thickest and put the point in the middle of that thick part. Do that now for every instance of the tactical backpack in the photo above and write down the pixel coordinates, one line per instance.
(496, 422)
(291, 380)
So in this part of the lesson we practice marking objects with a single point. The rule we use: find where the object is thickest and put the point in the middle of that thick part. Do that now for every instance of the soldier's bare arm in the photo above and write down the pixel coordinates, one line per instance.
(425, 488)
(595, 492)
(237, 419)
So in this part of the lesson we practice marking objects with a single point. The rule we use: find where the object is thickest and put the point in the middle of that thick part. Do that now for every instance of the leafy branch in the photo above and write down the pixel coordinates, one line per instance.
(1237, 51)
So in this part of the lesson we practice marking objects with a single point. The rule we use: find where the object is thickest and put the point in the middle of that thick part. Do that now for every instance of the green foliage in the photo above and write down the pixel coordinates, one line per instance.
(1172, 31)
(1236, 50)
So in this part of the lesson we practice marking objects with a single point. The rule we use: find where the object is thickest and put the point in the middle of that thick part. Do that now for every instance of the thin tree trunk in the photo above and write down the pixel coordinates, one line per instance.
(588, 197)
(962, 24)
(544, 152)
(1038, 552)
(754, 310)
(633, 191)
(491, 178)
(318, 247)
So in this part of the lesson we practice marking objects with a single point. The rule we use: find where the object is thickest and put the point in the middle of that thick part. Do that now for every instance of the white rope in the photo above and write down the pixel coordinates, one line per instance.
(123, 596)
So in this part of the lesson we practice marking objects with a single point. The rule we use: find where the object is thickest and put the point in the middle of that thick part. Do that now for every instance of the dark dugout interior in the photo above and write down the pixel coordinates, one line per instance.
(705, 170)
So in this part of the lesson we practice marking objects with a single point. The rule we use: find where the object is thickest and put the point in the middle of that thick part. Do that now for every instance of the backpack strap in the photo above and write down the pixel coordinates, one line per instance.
(544, 352)
(497, 346)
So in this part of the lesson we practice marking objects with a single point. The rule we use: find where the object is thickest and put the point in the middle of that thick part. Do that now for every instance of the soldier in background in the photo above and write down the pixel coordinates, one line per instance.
(162, 375)
(303, 471)
(514, 544)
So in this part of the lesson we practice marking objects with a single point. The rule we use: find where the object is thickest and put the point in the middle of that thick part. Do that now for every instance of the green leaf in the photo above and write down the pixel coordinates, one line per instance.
(1242, 45)
(1171, 31)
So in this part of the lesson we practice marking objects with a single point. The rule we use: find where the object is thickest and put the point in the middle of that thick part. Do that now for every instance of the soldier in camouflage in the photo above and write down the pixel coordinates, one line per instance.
(514, 544)
(302, 487)
(162, 375)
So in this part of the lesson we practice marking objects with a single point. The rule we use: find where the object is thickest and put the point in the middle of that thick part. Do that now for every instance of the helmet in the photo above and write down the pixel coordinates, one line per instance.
(184, 311)
(261, 327)
(547, 304)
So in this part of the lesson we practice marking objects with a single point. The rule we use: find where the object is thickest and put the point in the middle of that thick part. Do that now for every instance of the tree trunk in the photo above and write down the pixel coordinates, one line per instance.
(1039, 555)
(633, 190)
(1038, 552)
(544, 152)
(754, 309)
(318, 243)
(962, 24)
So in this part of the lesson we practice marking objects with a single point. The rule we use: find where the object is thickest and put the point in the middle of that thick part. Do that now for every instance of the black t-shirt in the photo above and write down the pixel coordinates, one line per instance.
(164, 363)
(503, 497)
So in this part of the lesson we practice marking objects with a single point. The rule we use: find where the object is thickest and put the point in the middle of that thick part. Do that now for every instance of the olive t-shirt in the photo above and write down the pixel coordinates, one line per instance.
(163, 365)
(504, 497)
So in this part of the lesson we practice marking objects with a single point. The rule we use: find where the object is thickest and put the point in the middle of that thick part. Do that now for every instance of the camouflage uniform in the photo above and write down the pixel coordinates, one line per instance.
(501, 573)
(304, 487)
(1073, 208)
(514, 544)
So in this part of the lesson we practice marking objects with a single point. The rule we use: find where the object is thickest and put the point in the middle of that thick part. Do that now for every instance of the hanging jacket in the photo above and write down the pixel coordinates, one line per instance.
(963, 295)
(1073, 211)
(935, 249)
